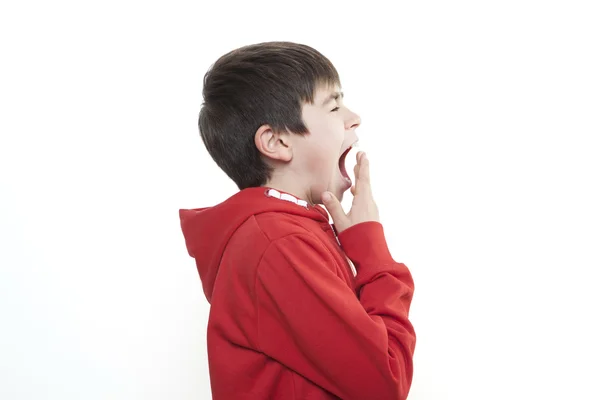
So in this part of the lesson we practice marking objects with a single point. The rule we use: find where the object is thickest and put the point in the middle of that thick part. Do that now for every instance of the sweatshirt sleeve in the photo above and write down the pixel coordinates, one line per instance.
(311, 321)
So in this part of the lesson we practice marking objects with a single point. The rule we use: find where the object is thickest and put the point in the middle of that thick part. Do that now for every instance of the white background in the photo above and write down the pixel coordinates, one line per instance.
(481, 120)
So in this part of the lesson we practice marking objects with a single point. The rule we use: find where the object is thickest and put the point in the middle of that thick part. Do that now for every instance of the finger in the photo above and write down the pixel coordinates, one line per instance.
(357, 166)
(363, 180)
(335, 209)
(353, 190)
(358, 155)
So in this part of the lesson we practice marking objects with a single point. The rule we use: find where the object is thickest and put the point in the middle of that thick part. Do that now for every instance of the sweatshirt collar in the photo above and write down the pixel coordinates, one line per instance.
(286, 196)
(278, 194)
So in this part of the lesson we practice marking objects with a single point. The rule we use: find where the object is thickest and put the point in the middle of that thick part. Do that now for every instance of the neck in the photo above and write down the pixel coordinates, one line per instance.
(291, 186)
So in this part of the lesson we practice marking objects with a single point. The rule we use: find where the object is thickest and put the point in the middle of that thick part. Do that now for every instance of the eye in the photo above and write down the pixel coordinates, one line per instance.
(335, 109)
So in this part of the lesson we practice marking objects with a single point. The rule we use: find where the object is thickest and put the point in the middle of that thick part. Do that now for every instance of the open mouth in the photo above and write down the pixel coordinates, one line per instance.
(342, 163)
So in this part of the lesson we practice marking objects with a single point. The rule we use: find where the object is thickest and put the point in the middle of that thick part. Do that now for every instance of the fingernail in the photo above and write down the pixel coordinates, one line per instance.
(326, 197)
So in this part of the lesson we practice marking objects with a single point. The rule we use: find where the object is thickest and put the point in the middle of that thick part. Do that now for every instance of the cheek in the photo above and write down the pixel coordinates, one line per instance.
(321, 160)
(326, 138)
(327, 148)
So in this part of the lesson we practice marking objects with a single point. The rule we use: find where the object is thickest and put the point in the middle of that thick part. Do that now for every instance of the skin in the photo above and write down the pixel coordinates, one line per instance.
(363, 207)
(306, 166)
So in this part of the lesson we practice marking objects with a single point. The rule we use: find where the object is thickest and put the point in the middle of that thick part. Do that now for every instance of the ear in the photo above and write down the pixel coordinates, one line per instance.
(274, 145)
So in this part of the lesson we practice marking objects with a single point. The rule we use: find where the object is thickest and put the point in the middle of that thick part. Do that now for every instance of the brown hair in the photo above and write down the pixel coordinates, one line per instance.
(264, 83)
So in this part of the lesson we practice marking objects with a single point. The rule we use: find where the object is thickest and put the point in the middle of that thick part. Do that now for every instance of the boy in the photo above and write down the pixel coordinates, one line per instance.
(288, 318)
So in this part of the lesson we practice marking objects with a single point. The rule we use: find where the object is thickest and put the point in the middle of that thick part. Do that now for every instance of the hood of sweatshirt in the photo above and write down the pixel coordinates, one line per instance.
(208, 230)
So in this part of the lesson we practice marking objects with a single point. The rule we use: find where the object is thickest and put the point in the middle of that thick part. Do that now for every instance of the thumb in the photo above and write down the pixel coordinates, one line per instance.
(334, 207)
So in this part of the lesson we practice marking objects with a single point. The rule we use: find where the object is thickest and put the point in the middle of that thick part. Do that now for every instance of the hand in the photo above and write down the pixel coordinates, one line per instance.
(363, 207)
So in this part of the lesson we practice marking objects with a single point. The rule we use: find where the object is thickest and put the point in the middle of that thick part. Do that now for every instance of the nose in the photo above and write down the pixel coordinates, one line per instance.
(352, 121)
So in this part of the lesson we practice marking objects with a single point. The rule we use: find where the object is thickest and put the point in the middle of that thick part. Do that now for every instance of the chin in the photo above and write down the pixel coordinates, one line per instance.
(337, 190)
(339, 193)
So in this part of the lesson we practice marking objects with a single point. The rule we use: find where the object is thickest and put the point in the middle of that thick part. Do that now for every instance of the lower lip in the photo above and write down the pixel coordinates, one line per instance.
(347, 183)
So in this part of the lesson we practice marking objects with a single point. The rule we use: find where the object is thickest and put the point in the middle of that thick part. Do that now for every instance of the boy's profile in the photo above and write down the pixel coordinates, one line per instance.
(289, 317)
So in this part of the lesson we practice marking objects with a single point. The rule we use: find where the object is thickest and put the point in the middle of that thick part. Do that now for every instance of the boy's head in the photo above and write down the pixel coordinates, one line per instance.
(273, 116)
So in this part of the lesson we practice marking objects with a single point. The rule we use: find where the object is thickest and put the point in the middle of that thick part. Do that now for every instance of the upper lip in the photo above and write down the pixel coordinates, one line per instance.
(349, 147)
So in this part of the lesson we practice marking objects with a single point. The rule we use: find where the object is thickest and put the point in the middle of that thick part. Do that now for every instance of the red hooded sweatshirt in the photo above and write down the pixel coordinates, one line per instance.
(288, 318)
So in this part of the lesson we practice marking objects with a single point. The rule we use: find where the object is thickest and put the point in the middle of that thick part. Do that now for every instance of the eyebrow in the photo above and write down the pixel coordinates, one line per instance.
(333, 96)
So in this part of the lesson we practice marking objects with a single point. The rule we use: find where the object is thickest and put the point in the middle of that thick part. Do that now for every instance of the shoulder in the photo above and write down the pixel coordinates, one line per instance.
(293, 240)
(277, 238)
(278, 225)
(266, 230)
